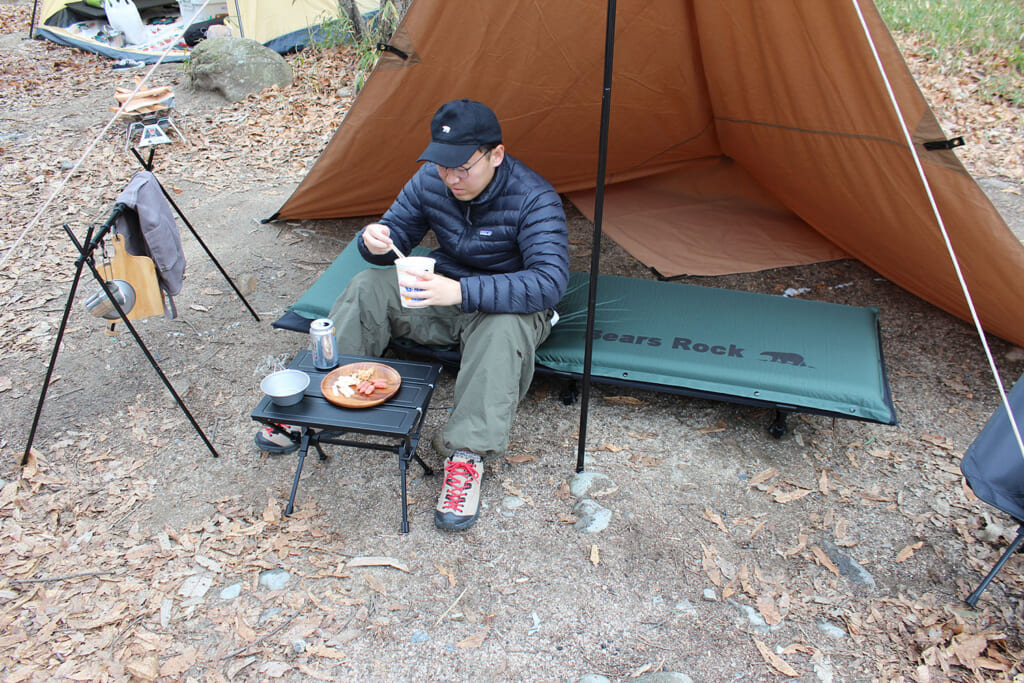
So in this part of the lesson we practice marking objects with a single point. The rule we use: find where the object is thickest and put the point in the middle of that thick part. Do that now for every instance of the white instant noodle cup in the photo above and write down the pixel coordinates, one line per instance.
(407, 269)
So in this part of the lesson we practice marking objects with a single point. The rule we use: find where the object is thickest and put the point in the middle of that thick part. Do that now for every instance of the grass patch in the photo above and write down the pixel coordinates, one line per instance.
(340, 29)
(992, 30)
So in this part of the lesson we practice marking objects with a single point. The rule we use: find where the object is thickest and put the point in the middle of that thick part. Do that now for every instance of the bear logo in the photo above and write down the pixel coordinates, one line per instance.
(785, 357)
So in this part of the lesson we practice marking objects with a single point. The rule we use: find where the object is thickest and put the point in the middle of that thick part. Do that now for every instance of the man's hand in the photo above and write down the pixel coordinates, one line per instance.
(377, 238)
(437, 290)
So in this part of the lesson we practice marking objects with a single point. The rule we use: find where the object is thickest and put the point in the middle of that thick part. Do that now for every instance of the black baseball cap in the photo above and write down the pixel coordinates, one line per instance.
(457, 130)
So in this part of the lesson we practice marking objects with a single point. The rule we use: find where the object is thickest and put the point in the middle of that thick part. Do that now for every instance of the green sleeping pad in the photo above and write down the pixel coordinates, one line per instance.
(735, 346)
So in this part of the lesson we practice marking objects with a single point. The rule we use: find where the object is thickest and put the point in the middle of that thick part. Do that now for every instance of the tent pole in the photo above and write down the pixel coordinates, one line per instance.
(595, 250)
(238, 15)
(32, 23)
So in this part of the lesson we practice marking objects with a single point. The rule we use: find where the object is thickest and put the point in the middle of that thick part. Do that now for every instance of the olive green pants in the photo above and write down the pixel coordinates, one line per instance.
(498, 351)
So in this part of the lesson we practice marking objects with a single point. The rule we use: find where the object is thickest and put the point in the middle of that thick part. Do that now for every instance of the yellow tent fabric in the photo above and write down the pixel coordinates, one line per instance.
(282, 26)
(744, 135)
(262, 20)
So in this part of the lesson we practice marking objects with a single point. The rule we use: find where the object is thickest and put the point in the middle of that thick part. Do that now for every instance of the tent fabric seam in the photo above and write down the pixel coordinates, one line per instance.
(814, 131)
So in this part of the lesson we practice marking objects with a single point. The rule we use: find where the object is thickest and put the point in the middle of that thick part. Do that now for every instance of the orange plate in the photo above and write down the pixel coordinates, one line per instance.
(357, 400)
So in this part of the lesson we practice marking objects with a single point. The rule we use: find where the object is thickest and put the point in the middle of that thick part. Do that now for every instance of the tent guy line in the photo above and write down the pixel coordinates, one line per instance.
(942, 228)
(89, 148)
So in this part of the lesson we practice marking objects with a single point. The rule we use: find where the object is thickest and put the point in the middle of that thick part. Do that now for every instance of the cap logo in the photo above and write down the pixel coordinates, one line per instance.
(446, 129)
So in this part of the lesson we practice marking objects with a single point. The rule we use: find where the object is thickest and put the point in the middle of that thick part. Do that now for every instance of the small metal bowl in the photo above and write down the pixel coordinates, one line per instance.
(285, 387)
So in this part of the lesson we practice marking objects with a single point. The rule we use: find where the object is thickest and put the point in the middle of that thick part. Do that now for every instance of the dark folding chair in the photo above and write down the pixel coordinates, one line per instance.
(994, 468)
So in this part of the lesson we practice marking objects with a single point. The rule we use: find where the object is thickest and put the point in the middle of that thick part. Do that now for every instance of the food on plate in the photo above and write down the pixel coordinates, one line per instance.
(343, 385)
(363, 381)
(368, 386)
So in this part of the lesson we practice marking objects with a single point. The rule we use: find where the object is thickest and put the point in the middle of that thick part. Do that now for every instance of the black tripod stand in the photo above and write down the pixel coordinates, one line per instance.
(148, 165)
(93, 239)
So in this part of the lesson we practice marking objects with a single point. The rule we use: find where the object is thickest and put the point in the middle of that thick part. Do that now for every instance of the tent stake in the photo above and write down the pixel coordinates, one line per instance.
(595, 252)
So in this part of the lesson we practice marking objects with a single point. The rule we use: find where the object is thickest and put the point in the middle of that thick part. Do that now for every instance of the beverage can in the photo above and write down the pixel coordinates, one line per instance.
(323, 344)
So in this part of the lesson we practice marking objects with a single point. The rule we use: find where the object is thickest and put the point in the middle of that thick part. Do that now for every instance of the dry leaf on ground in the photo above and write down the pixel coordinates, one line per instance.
(472, 642)
(774, 661)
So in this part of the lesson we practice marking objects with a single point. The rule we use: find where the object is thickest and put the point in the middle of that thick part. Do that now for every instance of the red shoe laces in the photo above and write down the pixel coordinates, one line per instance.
(456, 494)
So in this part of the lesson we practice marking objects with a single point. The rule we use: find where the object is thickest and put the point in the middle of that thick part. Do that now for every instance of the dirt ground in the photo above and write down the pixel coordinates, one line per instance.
(841, 551)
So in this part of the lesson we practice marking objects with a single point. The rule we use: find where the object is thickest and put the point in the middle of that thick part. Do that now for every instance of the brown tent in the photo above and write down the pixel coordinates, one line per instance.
(744, 135)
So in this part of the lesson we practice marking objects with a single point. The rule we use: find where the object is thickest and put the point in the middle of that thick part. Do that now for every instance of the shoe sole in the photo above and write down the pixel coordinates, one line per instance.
(453, 523)
(275, 449)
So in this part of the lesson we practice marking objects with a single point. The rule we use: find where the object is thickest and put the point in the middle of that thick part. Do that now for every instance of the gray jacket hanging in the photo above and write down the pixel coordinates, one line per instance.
(149, 229)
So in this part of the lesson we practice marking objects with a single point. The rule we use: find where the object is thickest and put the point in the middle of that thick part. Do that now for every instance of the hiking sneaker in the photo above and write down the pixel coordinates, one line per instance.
(278, 438)
(459, 504)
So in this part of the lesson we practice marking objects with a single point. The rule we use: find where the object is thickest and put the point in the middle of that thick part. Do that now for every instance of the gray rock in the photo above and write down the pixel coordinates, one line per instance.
(419, 637)
(590, 483)
(299, 646)
(273, 579)
(512, 502)
(594, 678)
(231, 592)
(687, 608)
(753, 616)
(848, 567)
(182, 386)
(831, 630)
(709, 595)
(823, 670)
(236, 67)
(593, 517)
(268, 614)
(664, 677)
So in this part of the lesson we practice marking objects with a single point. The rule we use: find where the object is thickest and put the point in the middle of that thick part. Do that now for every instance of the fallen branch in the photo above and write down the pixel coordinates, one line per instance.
(451, 606)
(129, 627)
(49, 579)
(265, 636)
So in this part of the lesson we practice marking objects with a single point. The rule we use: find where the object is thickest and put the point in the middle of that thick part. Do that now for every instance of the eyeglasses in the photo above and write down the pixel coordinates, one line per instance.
(460, 172)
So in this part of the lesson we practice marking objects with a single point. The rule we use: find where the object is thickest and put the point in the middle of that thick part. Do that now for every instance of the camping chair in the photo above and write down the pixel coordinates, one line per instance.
(994, 468)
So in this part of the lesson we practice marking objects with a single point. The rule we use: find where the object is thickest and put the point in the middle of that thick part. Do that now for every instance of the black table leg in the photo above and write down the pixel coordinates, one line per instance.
(403, 468)
(412, 443)
(426, 468)
(303, 447)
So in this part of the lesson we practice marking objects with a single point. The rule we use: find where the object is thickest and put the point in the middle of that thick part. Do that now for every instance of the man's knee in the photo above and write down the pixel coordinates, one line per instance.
(504, 326)
(366, 290)
(520, 332)
(500, 335)
(374, 280)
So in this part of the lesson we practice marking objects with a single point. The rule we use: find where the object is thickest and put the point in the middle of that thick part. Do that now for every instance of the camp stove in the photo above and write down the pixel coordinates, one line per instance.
(150, 113)
(151, 129)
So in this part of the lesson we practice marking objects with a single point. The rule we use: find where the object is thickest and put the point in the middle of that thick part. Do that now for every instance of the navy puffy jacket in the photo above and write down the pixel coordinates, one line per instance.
(508, 247)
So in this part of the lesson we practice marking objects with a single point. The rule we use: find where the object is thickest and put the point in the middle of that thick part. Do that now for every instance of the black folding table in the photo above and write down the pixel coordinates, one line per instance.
(391, 426)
